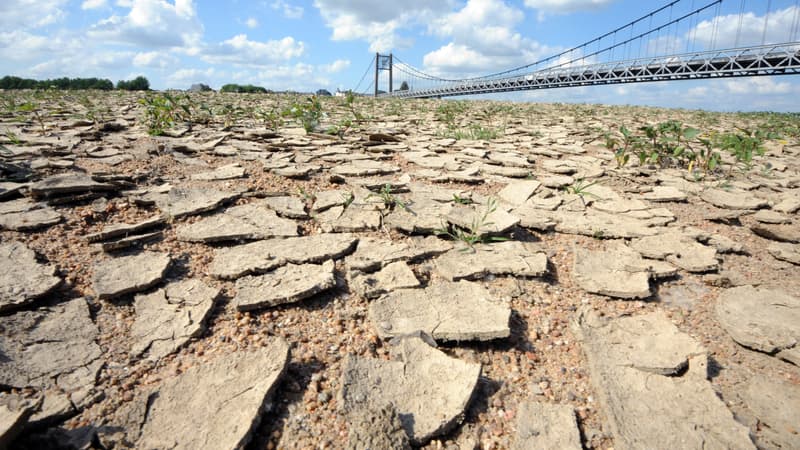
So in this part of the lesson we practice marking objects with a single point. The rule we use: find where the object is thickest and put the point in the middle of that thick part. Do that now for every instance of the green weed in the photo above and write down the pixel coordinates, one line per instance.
(474, 234)
(388, 199)
(163, 111)
(309, 113)
(581, 188)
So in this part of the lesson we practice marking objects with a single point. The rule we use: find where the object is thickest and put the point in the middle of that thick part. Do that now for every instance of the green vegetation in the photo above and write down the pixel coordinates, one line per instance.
(451, 111)
(475, 233)
(309, 113)
(162, 111)
(11, 82)
(388, 198)
(476, 133)
(461, 200)
(581, 188)
(139, 83)
(271, 118)
(244, 89)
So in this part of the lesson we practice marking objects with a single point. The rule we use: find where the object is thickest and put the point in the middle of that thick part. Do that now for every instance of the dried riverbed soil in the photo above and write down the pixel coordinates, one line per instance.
(281, 289)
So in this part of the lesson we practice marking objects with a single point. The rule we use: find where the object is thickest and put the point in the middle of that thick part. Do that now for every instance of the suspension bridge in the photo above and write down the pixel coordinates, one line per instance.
(681, 40)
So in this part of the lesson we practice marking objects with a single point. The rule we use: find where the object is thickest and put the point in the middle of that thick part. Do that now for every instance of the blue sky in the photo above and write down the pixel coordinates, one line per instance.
(305, 45)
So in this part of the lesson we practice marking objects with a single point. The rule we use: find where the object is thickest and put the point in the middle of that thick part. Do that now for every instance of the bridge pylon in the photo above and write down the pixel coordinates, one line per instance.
(383, 62)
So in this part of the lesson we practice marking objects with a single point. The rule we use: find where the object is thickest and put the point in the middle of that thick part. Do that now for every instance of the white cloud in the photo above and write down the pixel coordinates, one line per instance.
(698, 91)
(251, 22)
(299, 77)
(93, 4)
(26, 14)
(378, 22)
(288, 10)
(183, 78)
(240, 50)
(97, 64)
(23, 47)
(779, 28)
(337, 66)
(483, 41)
(152, 23)
(157, 60)
(759, 85)
(567, 6)
(454, 58)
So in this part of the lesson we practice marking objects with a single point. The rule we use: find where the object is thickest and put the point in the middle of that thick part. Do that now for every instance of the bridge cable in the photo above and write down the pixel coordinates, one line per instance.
(399, 64)
(369, 88)
(675, 41)
(717, 2)
(795, 20)
(739, 29)
(406, 68)
(766, 22)
(365, 75)
(716, 28)
(691, 28)
(585, 44)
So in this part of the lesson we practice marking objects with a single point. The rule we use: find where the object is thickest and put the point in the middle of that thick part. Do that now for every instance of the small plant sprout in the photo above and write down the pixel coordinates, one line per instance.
(581, 188)
(306, 196)
(348, 198)
(12, 137)
(476, 232)
(461, 200)
(389, 200)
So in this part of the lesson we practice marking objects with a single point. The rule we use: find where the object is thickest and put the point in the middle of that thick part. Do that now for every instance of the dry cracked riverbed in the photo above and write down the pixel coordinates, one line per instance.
(230, 286)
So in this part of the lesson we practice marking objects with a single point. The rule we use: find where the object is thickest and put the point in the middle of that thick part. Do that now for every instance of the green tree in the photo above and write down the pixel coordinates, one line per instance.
(403, 86)
(139, 83)
(247, 88)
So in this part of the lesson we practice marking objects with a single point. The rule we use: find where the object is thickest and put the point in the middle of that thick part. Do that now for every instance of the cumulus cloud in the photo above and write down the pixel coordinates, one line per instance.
(152, 23)
(288, 10)
(93, 4)
(337, 66)
(27, 14)
(156, 60)
(96, 64)
(760, 85)
(184, 77)
(567, 6)
(22, 46)
(483, 40)
(240, 50)
(251, 22)
(378, 23)
(779, 28)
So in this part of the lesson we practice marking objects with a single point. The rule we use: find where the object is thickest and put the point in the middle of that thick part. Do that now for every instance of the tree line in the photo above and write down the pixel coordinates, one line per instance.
(11, 82)
(247, 88)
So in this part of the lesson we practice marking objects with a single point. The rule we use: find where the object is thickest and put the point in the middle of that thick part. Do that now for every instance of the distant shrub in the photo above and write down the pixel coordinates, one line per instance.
(323, 93)
(403, 86)
(11, 82)
(139, 83)
(246, 89)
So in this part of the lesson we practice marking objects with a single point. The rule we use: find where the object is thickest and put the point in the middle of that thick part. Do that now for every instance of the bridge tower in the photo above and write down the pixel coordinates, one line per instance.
(383, 62)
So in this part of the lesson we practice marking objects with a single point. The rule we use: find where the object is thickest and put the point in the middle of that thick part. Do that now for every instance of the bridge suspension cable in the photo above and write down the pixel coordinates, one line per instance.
(366, 72)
